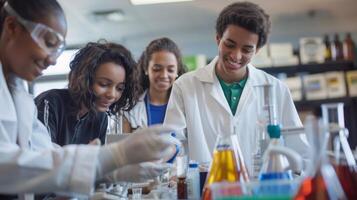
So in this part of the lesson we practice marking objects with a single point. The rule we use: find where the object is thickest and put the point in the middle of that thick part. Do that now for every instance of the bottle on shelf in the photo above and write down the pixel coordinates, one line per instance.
(327, 52)
(337, 48)
(349, 48)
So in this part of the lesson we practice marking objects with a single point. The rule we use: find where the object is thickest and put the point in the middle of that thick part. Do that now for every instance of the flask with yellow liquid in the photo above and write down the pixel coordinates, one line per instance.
(227, 165)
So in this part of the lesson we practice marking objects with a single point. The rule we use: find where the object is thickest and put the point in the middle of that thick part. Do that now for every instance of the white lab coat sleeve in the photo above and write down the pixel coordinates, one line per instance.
(175, 112)
(70, 169)
(290, 118)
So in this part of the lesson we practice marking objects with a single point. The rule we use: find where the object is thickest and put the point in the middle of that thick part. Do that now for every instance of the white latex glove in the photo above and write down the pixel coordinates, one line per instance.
(147, 144)
(138, 173)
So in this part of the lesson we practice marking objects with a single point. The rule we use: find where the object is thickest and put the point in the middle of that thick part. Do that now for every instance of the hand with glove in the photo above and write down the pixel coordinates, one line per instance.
(148, 144)
(138, 172)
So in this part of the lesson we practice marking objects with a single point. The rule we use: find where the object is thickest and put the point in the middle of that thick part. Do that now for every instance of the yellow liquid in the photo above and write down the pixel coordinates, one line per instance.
(223, 168)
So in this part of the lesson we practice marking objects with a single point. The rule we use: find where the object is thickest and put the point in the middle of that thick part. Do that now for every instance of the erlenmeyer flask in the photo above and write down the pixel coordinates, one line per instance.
(227, 165)
(343, 161)
(321, 181)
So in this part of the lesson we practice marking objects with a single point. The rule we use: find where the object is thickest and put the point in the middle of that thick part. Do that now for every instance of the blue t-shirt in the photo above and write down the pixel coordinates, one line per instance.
(157, 114)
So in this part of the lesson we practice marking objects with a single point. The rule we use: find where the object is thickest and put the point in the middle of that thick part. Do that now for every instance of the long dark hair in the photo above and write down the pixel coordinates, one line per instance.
(160, 44)
(32, 10)
(83, 68)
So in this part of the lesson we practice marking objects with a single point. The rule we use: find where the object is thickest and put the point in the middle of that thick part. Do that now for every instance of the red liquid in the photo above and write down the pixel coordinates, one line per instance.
(348, 179)
(312, 189)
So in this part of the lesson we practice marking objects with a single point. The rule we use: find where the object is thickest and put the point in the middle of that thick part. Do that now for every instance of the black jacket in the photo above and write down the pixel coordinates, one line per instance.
(56, 110)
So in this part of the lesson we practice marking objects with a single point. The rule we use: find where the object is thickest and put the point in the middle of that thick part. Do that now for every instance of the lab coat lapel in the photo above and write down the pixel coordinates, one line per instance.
(248, 95)
(8, 111)
(208, 75)
(25, 109)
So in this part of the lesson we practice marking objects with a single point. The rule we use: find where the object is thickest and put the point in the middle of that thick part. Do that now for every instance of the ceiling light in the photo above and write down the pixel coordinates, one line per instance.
(143, 2)
(110, 15)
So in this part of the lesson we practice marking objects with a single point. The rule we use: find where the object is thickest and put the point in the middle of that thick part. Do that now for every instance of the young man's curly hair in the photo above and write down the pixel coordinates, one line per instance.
(246, 15)
(83, 68)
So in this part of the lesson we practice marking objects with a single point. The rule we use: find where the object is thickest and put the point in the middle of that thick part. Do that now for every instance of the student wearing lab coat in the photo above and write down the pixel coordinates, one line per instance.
(100, 83)
(220, 97)
(32, 34)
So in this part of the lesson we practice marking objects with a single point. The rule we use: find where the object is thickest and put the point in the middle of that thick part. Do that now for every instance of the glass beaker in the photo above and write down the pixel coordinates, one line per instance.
(225, 165)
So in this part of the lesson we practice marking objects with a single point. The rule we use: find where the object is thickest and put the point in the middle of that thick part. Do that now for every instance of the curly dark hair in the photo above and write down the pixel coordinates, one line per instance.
(246, 15)
(160, 44)
(84, 66)
(32, 10)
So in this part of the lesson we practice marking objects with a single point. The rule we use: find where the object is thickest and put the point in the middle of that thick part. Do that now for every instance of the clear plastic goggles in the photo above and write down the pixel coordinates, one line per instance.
(45, 37)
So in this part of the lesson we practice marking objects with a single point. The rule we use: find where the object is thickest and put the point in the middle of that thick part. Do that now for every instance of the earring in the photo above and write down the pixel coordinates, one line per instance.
(146, 73)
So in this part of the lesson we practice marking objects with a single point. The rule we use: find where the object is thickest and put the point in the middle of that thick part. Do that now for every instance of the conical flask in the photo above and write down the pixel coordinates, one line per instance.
(227, 165)
(340, 153)
(321, 181)
(345, 165)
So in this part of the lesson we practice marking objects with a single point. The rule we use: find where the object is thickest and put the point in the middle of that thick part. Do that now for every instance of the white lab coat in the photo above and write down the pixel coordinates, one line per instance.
(137, 116)
(29, 162)
(197, 103)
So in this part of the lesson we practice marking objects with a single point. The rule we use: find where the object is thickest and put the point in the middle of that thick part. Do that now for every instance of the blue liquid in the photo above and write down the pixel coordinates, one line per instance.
(172, 159)
(276, 176)
(277, 188)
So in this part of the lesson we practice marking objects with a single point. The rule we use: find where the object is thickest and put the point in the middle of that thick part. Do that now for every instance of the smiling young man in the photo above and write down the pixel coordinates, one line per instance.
(220, 98)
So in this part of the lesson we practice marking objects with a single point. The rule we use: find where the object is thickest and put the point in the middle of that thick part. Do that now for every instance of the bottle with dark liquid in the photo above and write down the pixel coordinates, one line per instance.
(226, 166)
(349, 48)
(327, 53)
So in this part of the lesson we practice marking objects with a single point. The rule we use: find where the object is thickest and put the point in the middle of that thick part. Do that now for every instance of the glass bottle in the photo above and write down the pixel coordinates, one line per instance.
(227, 165)
(182, 163)
(337, 48)
(327, 52)
(349, 48)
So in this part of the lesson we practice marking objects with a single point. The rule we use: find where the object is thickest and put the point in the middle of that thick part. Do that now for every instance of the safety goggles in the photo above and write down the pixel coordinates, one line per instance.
(49, 40)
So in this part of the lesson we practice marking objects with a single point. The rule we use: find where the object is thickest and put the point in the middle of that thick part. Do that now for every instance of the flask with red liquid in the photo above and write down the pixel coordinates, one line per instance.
(321, 181)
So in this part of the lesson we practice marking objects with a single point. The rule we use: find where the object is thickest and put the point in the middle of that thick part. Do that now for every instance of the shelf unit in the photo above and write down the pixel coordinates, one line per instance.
(350, 103)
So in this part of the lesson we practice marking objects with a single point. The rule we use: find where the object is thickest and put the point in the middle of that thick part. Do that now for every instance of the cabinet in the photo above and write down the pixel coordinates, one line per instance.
(350, 103)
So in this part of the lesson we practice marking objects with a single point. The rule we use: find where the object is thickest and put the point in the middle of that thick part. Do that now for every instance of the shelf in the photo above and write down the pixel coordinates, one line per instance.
(301, 105)
(311, 68)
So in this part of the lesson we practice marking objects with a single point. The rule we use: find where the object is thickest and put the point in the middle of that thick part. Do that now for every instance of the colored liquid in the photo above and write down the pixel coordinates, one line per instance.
(348, 180)
(312, 189)
(224, 168)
